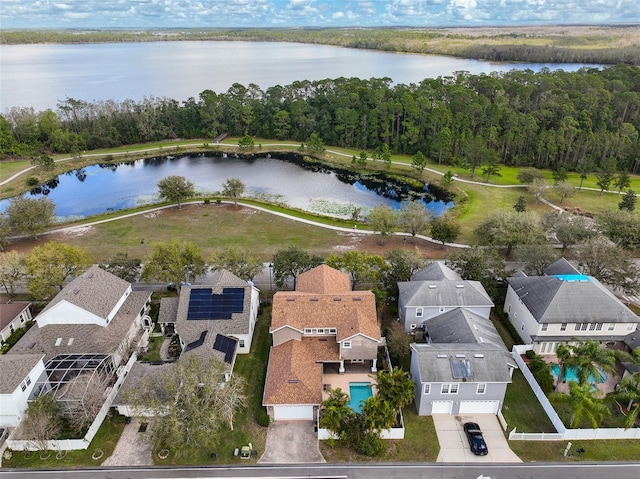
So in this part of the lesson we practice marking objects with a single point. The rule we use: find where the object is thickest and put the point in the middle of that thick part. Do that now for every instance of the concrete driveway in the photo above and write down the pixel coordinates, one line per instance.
(454, 446)
(134, 447)
(291, 442)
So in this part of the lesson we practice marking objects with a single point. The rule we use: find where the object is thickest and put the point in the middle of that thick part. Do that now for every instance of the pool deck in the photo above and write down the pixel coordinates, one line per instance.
(605, 387)
(333, 381)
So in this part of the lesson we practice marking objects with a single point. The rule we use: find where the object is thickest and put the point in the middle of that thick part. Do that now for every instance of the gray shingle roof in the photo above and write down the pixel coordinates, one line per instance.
(444, 293)
(561, 266)
(436, 271)
(140, 372)
(13, 370)
(551, 300)
(95, 290)
(462, 326)
(168, 310)
(487, 363)
(191, 331)
(9, 312)
(82, 338)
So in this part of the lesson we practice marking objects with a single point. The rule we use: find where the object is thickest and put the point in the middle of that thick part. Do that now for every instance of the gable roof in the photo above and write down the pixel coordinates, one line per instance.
(350, 313)
(436, 271)
(462, 326)
(168, 310)
(14, 368)
(82, 338)
(10, 311)
(294, 371)
(561, 266)
(444, 293)
(323, 279)
(552, 300)
(484, 362)
(96, 291)
(200, 334)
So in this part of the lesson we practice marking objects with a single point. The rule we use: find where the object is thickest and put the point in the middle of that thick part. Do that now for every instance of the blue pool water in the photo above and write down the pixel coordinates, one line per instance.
(572, 277)
(358, 394)
(572, 375)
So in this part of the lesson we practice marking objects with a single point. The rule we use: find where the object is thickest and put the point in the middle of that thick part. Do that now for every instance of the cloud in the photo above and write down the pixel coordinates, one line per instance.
(258, 13)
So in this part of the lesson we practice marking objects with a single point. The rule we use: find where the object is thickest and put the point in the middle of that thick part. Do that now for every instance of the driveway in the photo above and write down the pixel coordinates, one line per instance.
(291, 442)
(454, 446)
(133, 448)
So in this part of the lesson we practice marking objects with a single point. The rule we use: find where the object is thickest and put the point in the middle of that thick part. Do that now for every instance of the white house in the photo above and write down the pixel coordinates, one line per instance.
(554, 309)
(18, 376)
(13, 316)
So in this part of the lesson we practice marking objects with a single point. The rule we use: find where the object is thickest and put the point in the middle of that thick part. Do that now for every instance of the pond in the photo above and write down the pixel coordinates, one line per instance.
(310, 187)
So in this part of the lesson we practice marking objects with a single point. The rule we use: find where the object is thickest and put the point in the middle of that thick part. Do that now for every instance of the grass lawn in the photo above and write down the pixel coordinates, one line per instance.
(522, 409)
(106, 439)
(153, 354)
(601, 450)
(420, 444)
(246, 429)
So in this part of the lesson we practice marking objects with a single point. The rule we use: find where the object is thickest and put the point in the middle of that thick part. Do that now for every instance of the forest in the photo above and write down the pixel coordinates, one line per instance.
(550, 119)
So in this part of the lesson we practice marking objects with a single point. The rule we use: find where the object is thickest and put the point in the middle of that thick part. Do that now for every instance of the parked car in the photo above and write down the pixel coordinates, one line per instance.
(475, 438)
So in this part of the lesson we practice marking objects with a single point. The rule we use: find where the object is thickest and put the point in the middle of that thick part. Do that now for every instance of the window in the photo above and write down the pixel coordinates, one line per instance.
(522, 327)
(592, 326)
(412, 326)
(419, 312)
(307, 330)
(241, 343)
(333, 331)
(441, 309)
(482, 388)
(346, 345)
(320, 331)
(11, 328)
(599, 326)
(426, 388)
(449, 388)
(611, 327)
(545, 326)
(25, 383)
(563, 327)
(581, 326)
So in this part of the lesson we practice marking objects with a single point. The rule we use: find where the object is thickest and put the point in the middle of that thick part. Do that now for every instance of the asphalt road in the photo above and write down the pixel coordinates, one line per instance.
(352, 471)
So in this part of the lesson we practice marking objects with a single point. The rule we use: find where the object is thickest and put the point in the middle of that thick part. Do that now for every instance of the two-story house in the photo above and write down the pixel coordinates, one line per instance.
(437, 289)
(18, 376)
(13, 316)
(563, 305)
(321, 327)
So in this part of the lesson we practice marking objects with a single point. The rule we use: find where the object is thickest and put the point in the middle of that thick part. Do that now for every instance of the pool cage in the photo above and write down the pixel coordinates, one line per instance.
(75, 380)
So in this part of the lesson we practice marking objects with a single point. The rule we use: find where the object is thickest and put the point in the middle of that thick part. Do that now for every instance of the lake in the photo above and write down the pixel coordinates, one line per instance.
(101, 188)
(39, 76)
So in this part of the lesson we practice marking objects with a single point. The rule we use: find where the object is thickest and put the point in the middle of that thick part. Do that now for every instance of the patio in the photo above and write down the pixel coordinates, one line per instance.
(332, 379)
(605, 387)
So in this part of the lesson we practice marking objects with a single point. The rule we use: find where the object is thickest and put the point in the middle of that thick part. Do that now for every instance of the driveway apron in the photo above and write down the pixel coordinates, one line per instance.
(292, 442)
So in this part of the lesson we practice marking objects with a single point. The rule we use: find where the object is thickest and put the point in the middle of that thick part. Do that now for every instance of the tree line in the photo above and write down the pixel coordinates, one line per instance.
(556, 120)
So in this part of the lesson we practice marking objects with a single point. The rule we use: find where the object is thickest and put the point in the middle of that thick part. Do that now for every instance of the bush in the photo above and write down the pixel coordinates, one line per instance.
(263, 418)
(530, 354)
(372, 446)
(32, 181)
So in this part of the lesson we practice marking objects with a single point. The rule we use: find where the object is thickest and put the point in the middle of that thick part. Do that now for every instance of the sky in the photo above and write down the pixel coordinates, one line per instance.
(311, 13)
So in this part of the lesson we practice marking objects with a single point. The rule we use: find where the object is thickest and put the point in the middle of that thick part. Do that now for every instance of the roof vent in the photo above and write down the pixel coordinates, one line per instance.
(337, 299)
(357, 298)
(76, 291)
(432, 286)
(90, 275)
(313, 299)
(460, 355)
(294, 381)
(478, 355)
(442, 356)
(459, 285)
(291, 299)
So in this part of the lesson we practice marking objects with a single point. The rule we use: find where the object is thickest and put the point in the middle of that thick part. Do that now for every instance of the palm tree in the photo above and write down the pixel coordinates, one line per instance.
(334, 411)
(377, 414)
(628, 390)
(587, 356)
(564, 353)
(395, 387)
(583, 403)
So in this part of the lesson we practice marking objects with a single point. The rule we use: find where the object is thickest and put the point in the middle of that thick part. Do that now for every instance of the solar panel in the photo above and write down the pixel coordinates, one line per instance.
(197, 343)
(204, 304)
(225, 345)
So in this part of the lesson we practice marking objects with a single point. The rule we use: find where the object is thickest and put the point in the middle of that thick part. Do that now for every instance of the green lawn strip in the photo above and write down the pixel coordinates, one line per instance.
(613, 420)
(10, 168)
(153, 354)
(598, 450)
(105, 439)
(420, 443)
(589, 201)
(246, 430)
(522, 409)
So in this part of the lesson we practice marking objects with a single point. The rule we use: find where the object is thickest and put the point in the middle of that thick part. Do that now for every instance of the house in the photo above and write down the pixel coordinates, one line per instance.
(463, 368)
(563, 305)
(18, 376)
(321, 330)
(217, 319)
(437, 289)
(13, 316)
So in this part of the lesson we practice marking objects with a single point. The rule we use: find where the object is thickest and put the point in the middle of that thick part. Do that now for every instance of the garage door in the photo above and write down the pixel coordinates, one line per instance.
(281, 413)
(441, 407)
(479, 407)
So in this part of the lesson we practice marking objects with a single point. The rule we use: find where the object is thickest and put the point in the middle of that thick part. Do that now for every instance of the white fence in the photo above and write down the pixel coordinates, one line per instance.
(78, 444)
(563, 433)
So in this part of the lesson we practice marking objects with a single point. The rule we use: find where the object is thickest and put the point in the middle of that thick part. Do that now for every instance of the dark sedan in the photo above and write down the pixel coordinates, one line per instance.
(476, 441)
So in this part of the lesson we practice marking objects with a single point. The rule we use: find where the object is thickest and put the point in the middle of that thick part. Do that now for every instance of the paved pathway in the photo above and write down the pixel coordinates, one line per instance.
(133, 448)
(292, 442)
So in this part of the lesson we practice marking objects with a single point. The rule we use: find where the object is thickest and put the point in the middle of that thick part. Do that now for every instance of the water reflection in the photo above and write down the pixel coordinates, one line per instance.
(288, 181)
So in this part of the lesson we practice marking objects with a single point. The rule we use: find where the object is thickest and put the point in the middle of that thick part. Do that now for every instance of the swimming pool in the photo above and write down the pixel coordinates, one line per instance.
(572, 374)
(358, 394)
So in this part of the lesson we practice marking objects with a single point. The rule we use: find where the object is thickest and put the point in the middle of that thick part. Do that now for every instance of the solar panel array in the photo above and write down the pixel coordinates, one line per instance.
(204, 304)
(225, 345)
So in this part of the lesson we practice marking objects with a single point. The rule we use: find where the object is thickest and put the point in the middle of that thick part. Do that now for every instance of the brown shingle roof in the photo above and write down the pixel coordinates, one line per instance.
(9, 312)
(323, 279)
(294, 372)
(350, 313)
(13, 370)
(87, 338)
(95, 290)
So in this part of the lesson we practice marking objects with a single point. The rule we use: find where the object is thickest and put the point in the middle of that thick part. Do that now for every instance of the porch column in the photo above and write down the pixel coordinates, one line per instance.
(341, 368)
(374, 366)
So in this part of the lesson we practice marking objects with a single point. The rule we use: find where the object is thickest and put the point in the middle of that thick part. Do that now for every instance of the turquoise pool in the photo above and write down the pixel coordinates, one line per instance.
(572, 374)
(359, 393)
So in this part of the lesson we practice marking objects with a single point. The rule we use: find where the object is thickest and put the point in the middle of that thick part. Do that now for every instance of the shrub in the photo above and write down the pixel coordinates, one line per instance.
(372, 446)
(530, 354)
(33, 181)
(263, 418)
